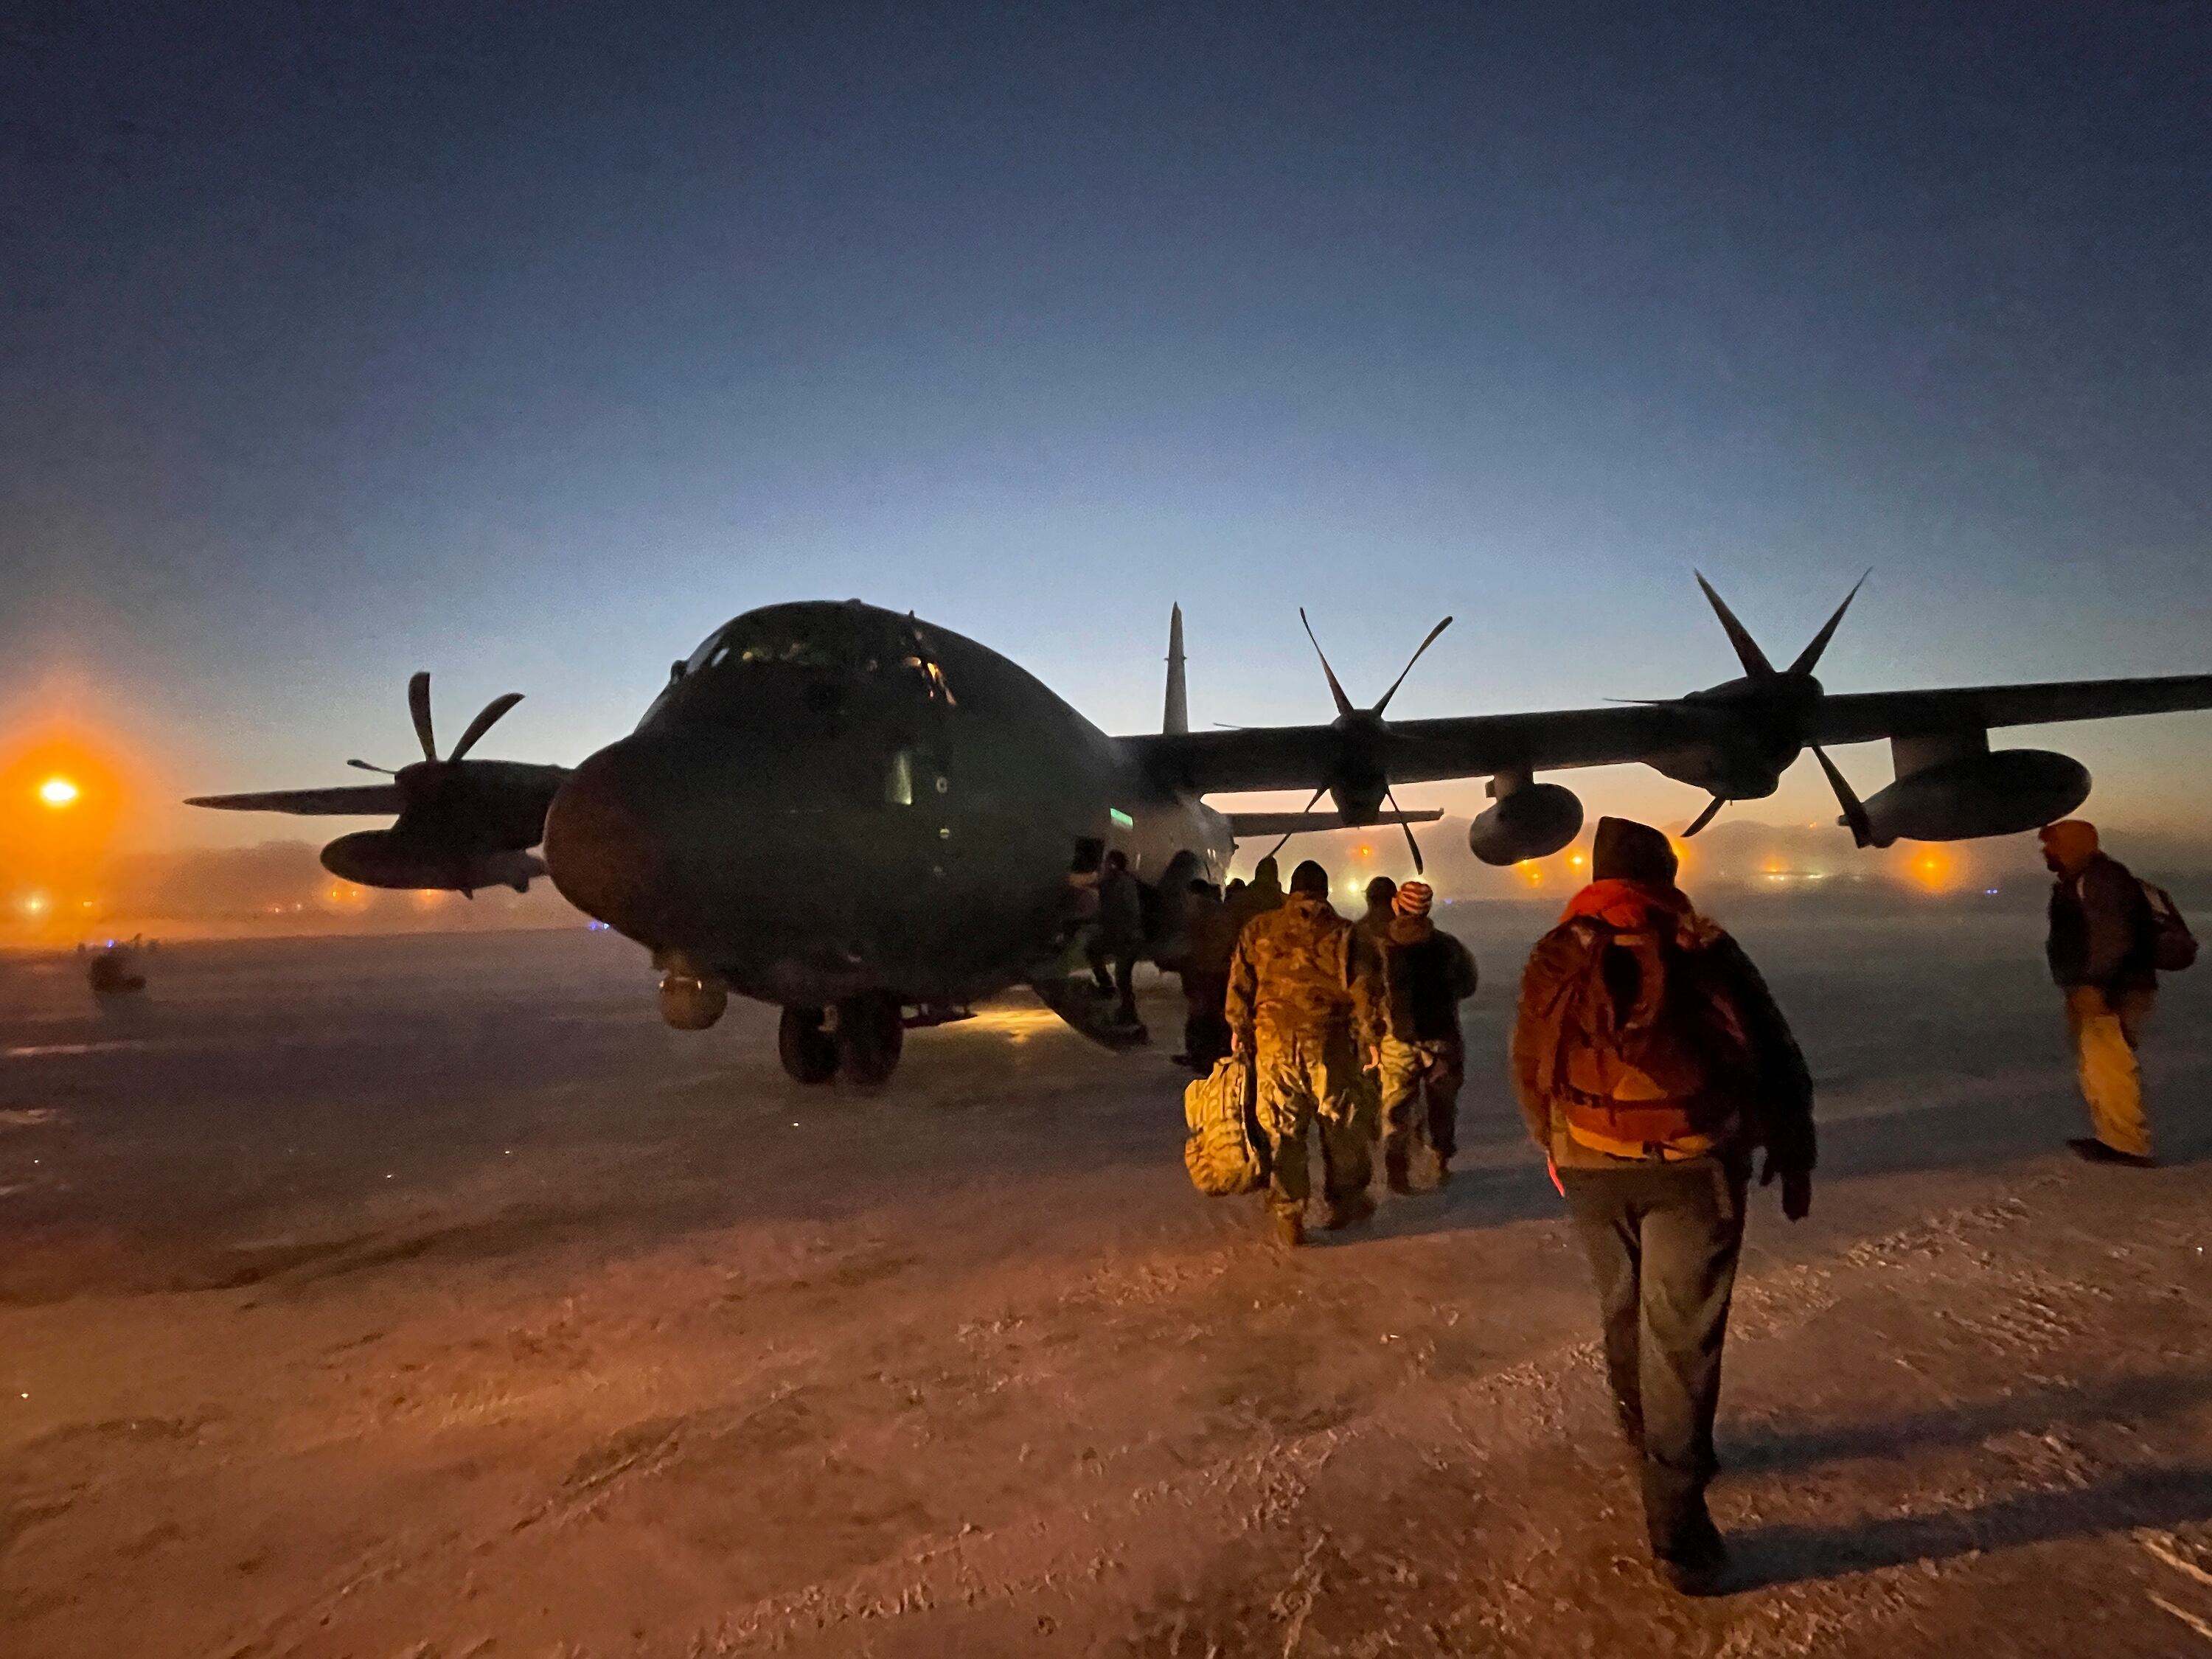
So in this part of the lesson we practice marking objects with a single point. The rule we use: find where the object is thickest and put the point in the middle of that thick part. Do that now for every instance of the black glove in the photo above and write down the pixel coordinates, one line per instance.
(1796, 1188)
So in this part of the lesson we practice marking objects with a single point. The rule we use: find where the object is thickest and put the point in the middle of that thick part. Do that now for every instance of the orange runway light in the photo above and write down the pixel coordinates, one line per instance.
(1933, 869)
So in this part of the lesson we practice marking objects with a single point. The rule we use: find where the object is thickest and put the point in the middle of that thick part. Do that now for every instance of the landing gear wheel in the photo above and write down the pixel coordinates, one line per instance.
(870, 1035)
(809, 1053)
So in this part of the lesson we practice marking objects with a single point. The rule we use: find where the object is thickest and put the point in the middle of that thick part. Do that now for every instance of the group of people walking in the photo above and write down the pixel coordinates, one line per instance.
(1352, 1029)
(1652, 1068)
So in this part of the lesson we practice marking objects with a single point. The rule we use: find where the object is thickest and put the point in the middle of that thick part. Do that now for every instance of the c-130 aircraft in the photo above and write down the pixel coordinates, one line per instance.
(870, 822)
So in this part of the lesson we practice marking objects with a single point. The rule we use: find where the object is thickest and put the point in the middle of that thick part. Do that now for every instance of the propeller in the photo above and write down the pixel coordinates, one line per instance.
(1855, 814)
(1764, 683)
(418, 709)
(1372, 718)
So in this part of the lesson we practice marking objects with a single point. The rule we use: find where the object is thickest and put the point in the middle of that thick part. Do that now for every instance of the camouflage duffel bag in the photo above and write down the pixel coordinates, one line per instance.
(1225, 1150)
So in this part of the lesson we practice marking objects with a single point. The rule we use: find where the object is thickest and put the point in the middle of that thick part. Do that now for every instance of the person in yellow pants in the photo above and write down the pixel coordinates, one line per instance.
(2102, 951)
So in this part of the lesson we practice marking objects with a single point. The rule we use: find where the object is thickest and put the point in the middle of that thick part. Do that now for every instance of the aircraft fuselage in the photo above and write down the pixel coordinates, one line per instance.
(832, 800)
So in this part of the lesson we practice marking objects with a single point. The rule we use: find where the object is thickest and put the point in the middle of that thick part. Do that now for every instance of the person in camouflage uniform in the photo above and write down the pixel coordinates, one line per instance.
(1305, 1005)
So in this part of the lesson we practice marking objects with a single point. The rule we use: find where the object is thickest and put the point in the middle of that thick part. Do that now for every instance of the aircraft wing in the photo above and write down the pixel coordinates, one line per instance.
(349, 800)
(1421, 752)
(1864, 716)
(1248, 826)
(1481, 745)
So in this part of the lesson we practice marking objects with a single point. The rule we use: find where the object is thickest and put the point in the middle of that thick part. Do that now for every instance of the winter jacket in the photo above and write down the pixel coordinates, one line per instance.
(2102, 932)
(1210, 935)
(1427, 975)
(1297, 972)
(1121, 915)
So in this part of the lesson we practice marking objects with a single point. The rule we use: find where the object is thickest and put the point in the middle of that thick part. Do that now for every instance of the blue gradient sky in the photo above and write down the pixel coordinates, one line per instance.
(528, 343)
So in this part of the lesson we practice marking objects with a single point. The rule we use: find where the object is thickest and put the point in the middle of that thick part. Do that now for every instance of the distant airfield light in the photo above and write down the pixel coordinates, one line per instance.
(1932, 870)
(57, 792)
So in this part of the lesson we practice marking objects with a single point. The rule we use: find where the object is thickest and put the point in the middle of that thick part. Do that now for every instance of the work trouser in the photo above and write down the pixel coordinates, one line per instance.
(1120, 983)
(2106, 1027)
(1420, 1083)
(1301, 1077)
(1205, 1027)
(1662, 1241)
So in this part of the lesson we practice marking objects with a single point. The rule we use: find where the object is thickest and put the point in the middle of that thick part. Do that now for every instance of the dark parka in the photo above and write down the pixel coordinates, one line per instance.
(2101, 930)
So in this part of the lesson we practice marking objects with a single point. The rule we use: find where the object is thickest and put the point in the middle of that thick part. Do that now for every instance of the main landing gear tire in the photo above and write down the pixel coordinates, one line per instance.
(871, 1032)
(809, 1053)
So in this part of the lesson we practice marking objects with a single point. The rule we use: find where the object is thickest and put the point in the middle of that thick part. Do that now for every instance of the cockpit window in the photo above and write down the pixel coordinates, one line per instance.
(848, 639)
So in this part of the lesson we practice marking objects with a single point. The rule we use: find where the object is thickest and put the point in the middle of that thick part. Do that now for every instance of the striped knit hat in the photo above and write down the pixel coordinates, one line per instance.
(1413, 899)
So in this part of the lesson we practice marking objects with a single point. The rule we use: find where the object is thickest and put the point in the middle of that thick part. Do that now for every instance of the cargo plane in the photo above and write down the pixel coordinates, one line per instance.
(870, 822)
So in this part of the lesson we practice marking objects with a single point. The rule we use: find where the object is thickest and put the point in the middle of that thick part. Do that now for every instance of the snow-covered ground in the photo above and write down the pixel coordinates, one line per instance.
(428, 1297)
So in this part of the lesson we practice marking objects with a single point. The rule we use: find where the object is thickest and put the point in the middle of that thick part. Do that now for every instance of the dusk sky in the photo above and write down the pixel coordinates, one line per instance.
(527, 344)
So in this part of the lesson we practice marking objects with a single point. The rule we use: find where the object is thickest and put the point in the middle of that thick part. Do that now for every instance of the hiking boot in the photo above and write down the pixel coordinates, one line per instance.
(2090, 1150)
(1289, 1230)
(1704, 1576)
(1349, 1212)
(1700, 1569)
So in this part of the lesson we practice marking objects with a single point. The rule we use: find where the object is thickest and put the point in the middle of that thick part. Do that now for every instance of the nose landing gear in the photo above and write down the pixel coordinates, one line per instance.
(865, 1045)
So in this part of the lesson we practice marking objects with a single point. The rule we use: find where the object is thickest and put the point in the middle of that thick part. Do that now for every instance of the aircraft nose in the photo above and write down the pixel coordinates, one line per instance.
(605, 848)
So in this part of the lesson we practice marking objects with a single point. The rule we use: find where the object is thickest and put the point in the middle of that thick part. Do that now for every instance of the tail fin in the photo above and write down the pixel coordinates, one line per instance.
(1176, 719)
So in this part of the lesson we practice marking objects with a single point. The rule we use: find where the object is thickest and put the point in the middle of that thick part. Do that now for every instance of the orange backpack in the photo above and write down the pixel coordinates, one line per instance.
(1650, 1057)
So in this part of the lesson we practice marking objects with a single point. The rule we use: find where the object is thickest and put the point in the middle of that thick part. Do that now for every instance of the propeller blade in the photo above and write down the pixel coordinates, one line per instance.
(418, 705)
(1277, 848)
(1854, 812)
(1712, 810)
(1408, 668)
(1412, 845)
(1343, 703)
(364, 766)
(487, 717)
(1747, 648)
(1809, 658)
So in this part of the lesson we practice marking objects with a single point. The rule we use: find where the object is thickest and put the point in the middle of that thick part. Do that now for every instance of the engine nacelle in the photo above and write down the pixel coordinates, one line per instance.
(2000, 792)
(1358, 800)
(1532, 821)
(690, 1002)
(377, 857)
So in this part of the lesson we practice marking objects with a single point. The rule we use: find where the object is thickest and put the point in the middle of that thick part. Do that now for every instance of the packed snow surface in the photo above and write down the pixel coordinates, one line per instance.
(428, 1297)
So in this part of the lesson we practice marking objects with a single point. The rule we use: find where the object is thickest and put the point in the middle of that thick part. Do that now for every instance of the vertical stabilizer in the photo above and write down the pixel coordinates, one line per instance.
(1176, 719)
